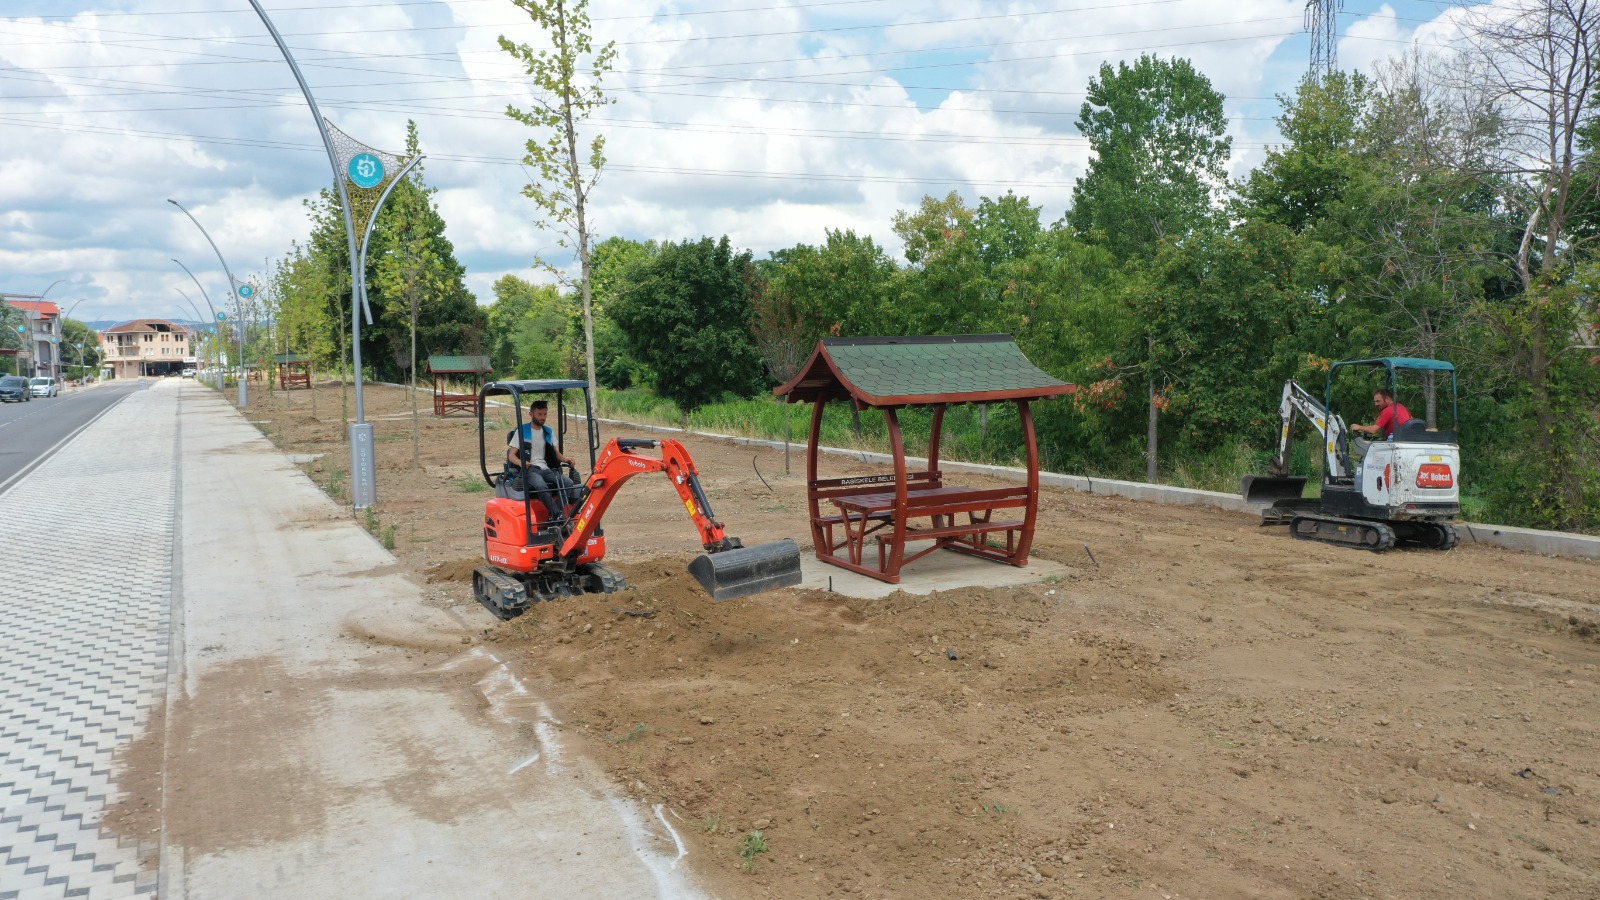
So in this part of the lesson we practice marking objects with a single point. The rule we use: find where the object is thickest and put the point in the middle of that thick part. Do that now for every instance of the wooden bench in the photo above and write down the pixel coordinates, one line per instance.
(445, 404)
(826, 491)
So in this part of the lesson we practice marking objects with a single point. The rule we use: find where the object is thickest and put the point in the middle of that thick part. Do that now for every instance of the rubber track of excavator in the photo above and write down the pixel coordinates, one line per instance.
(1358, 533)
(1440, 536)
(500, 594)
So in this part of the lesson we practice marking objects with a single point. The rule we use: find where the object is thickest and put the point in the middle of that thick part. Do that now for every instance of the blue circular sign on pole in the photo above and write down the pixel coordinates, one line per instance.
(246, 290)
(222, 317)
(366, 170)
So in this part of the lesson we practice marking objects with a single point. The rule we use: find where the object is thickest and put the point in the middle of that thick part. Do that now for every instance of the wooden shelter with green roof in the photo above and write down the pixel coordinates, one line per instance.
(294, 371)
(865, 523)
(472, 369)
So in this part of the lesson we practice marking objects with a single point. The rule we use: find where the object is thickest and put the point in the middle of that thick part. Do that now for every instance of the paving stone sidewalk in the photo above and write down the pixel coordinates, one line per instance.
(85, 600)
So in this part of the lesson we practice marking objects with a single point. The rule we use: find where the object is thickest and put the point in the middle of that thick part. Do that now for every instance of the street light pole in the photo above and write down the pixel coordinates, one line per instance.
(207, 298)
(363, 455)
(233, 288)
(195, 338)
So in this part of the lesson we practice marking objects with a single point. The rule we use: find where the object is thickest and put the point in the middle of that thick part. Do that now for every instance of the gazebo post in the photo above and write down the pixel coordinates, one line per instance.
(818, 541)
(897, 446)
(934, 438)
(1031, 515)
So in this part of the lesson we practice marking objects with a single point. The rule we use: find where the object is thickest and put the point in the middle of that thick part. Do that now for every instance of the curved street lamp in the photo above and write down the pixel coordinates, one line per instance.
(233, 288)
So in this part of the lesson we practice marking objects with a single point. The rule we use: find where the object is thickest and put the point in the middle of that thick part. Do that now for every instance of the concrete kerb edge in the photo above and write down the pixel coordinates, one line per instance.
(1530, 540)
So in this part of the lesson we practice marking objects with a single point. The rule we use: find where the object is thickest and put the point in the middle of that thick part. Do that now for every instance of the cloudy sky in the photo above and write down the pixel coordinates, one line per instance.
(765, 120)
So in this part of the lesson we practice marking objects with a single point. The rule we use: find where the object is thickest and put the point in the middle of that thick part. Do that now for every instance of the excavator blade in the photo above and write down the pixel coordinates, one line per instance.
(1272, 488)
(743, 571)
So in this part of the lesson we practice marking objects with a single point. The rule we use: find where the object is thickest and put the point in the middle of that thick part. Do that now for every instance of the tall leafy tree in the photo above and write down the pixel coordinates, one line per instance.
(1157, 132)
(1322, 126)
(688, 318)
(567, 75)
(1537, 64)
(528, 327)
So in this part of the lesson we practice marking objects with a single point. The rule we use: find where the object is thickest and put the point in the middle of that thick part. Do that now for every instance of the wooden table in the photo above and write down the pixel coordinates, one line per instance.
(864, 515)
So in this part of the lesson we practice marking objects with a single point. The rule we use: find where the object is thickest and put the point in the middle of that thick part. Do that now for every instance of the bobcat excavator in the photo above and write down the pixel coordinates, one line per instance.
(1402, 491)
(532, 558)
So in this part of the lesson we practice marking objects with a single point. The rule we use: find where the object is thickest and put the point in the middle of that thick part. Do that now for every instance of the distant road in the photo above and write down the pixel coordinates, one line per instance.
(30, 432)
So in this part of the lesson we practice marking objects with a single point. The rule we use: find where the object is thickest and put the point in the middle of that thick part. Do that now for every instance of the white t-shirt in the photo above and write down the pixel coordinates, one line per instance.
(534, 438)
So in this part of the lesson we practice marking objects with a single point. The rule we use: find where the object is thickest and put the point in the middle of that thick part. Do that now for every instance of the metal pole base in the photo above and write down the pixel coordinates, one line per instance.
(363, 467)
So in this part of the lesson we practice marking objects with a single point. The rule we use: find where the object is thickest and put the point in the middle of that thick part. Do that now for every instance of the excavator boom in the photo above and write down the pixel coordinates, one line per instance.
(1278, 484)
(728, 569)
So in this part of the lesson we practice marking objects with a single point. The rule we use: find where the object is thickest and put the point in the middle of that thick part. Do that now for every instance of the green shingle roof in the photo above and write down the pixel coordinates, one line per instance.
(898, 371)
(448, 364)
(282, 358)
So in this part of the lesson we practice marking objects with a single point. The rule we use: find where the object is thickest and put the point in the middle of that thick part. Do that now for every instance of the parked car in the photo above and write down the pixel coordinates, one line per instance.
(45, 387)
(14, 387)
(188, 372)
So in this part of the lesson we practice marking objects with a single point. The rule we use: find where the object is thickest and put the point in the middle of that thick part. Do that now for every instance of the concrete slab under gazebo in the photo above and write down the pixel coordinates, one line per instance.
(294, 371)
(474, 369)
(865, 523)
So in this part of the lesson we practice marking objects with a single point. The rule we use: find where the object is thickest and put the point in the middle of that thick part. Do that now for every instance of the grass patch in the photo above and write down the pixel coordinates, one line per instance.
(1001, 810)
(388, 537)
(638, 731)
(336, 483)
(711, 823)
(751, 845)
(471, 484)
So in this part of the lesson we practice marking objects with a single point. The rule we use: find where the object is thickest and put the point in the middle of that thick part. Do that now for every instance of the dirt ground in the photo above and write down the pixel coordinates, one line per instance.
(1205, 708)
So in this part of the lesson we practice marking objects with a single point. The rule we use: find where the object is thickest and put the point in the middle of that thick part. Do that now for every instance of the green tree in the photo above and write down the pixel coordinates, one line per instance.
(1226, 324)
(1322, 125)
(528, 327)
(1157, 132)
(10, 339)
(1006, 229)
(567, 75)
(617, 263)
(688, 318)
(944, 290)
(411, 270)
(80, 345)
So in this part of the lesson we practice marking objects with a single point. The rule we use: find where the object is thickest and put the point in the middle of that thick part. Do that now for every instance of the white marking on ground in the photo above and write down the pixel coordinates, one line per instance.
(669, 883)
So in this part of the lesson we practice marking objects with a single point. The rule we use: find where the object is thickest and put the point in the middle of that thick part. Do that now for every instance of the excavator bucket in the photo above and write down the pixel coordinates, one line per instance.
(743, 571)
(1272, 488)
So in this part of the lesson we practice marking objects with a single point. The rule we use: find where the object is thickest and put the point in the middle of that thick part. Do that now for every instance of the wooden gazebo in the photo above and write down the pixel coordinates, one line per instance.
(470, 368)
(889, 511)
(294, 371)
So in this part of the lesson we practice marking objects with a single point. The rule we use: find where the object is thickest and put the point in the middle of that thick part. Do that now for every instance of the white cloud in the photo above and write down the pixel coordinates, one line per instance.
(108, 115)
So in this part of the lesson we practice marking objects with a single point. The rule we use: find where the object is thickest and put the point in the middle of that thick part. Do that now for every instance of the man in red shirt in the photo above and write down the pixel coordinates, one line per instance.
(1391, 415)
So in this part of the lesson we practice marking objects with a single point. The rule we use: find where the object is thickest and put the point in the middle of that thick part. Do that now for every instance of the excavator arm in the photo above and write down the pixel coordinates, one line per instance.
(728, 569)
(1298, 399)
(621, 461)
(1278, 484)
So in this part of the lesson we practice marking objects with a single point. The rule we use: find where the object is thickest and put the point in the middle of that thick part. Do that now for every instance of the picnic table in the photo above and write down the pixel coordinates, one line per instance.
(869, 523)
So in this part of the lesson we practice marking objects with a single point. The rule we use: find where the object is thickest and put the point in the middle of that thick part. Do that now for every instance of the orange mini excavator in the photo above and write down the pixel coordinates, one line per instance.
(532, 558)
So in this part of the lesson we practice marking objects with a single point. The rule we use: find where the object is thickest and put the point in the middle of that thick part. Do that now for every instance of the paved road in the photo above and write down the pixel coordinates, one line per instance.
(30, 432)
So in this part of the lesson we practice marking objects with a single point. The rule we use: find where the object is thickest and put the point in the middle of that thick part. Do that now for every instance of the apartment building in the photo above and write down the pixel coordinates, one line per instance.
(40, 353)
(147, 347)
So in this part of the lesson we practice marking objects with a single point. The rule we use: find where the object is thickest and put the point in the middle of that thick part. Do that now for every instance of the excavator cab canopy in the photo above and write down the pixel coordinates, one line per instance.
(524, 391)
(1409, 391)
